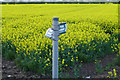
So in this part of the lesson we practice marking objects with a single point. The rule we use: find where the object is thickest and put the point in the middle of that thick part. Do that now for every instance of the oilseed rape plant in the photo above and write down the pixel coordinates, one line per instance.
(112, 74)
(92, 33)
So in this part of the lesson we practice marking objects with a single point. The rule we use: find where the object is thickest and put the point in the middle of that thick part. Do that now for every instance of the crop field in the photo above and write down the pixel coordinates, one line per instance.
(92, 32)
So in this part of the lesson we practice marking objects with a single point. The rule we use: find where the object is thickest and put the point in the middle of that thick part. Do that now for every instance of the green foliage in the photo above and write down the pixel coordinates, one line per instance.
(8, 51)
(117, 60)
(90, 34)
(76, 70)
(109, 65)
(98, 67)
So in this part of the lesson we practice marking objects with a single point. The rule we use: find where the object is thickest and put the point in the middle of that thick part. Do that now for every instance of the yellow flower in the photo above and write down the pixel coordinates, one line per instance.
(76, 50)
(46, 64)
(48, 59)
(34, 58)
(108, 76)
(111, 46)
(72, 59)
(114, 72)
(58, 58)
(45, 61)
(50, 53)
(110, 73)
(63, 61)
(68, 53)
(76, 59)
(24, 54)
(106, 41)
(66, 65)
(16, 51)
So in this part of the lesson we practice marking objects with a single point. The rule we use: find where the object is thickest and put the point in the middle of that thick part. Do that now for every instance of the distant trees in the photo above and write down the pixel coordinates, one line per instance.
(99, 0)
(64, 0)
(14, 1)
(20, 0)
(6, 0)
(81, 0)
(71, 0)
(42, 0)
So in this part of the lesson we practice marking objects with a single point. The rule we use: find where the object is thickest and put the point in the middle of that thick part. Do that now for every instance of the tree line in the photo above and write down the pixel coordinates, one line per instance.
(60, 2)
(64, 1)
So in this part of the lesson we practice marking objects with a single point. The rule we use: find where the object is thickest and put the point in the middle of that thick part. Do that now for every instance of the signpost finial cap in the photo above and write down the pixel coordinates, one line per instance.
(56, 18)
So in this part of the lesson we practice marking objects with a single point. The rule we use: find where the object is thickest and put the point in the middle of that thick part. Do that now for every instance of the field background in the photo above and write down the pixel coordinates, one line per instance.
(92, 33)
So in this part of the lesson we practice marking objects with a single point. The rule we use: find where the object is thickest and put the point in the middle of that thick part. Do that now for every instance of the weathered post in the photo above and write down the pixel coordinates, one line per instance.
(55, 47)
(53, 33)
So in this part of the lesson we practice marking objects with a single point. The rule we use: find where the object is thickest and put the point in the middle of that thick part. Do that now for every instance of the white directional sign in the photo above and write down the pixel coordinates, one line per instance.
(62, 30)
(49, 33)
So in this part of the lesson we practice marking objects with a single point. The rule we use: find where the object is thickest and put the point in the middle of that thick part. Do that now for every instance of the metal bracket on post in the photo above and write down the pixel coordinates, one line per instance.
(55, 39)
